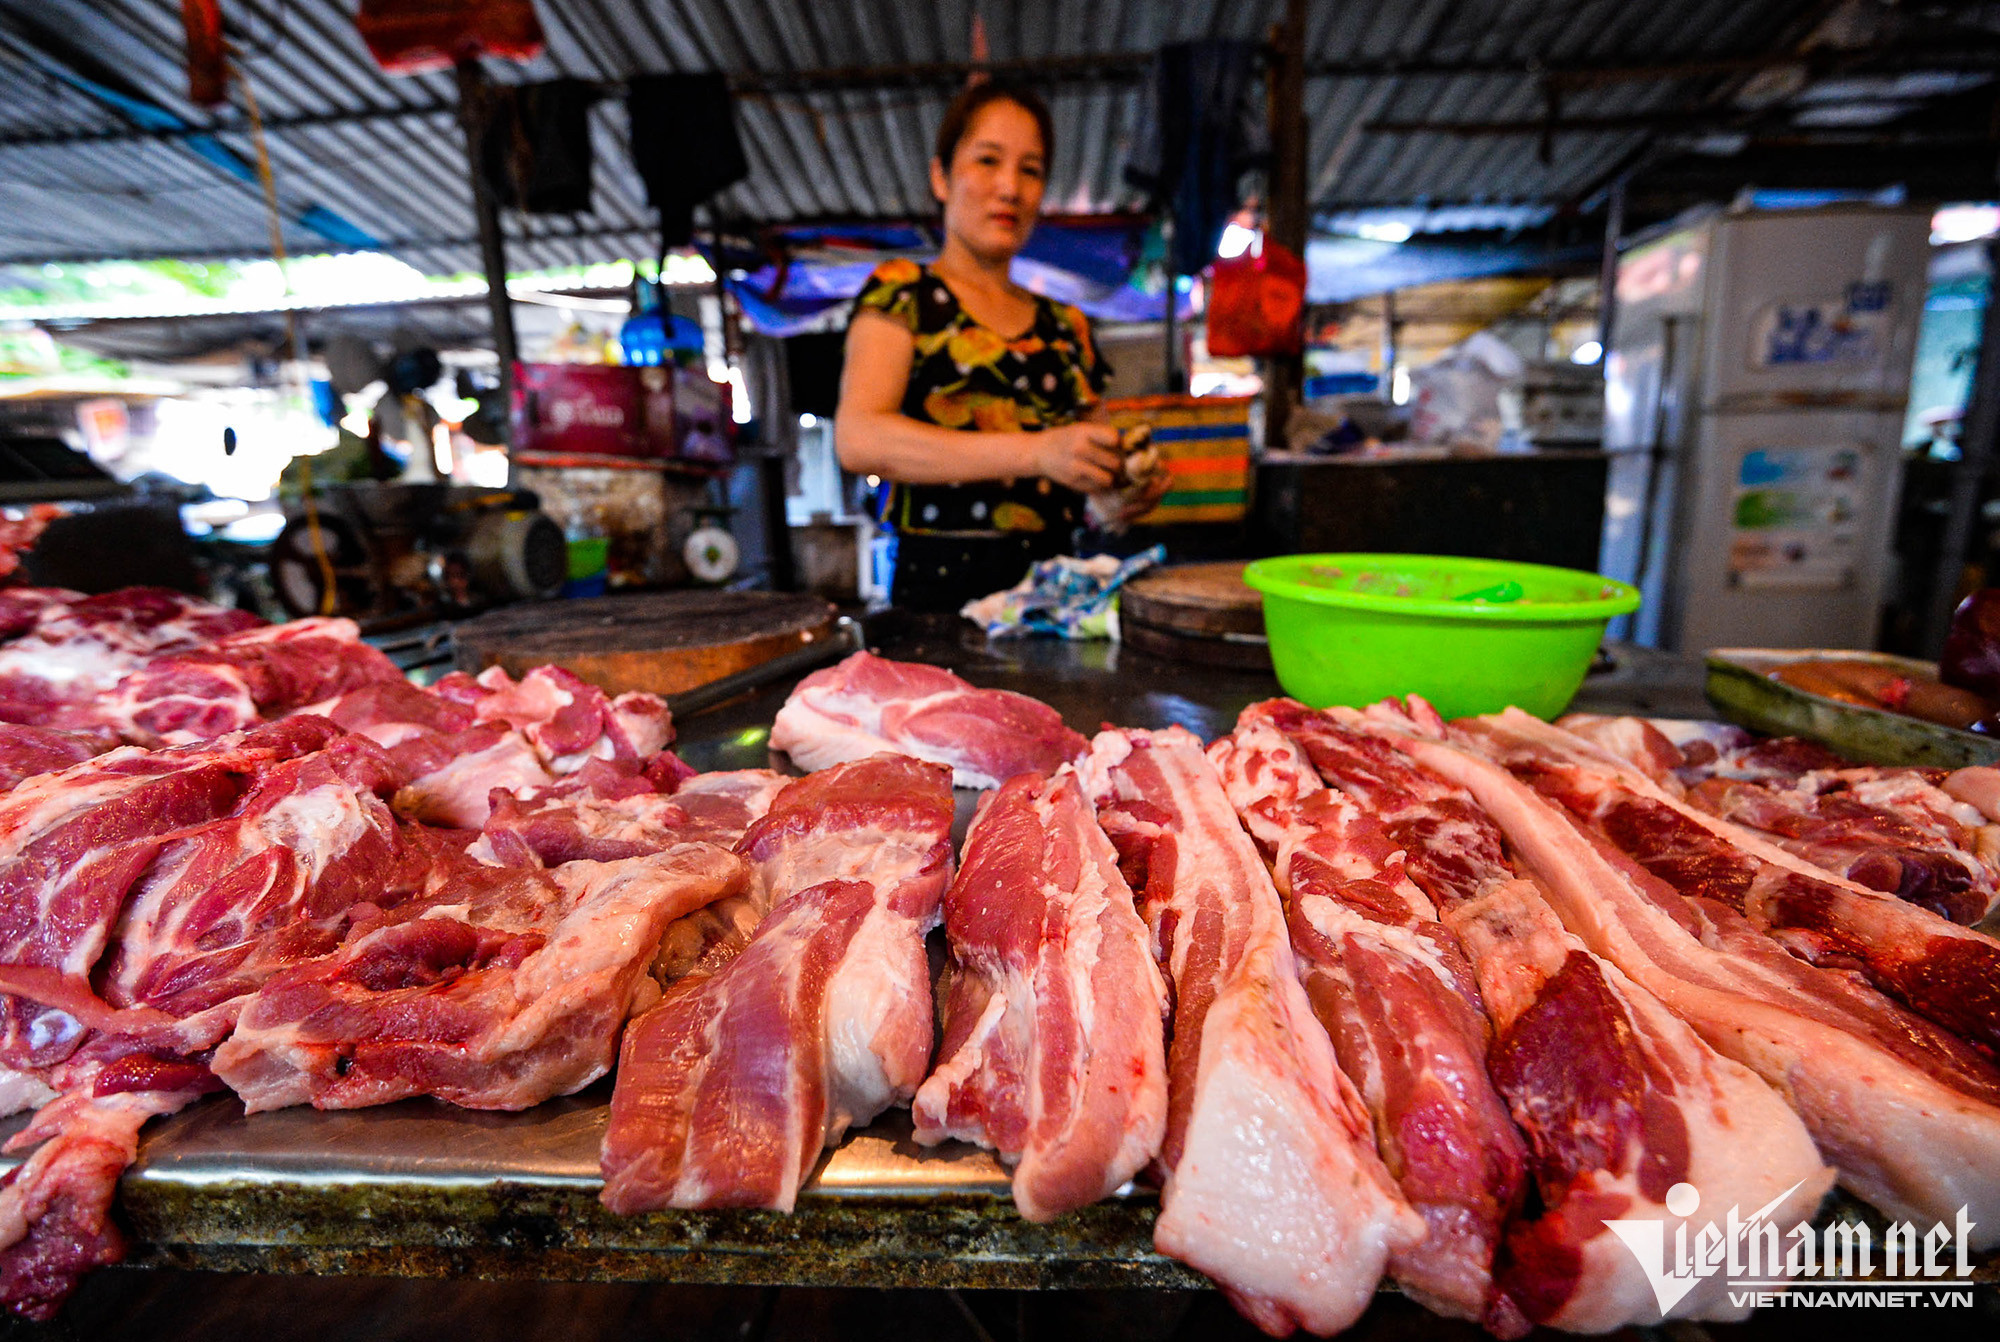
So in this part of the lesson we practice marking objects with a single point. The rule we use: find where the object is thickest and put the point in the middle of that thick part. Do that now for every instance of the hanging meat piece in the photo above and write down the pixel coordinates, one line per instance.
(728, 1089)
(1272, 1183)
(868, 703)
(1053, 1052)
(1620, 1101)
(1398, 996)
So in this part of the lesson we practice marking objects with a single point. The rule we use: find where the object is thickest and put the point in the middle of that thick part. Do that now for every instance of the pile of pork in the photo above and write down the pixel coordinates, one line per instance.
(1361, 994)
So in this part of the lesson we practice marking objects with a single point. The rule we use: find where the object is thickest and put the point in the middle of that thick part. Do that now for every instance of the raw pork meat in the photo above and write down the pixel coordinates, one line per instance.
(26, 751)
(1272, 1183)
(729, 1088)
(1894, 830)
(1619, 1099)
(868, 703)
(72, 845)
(1946, 973)
(1053, 1051)
(79, 647)
(234, 681)
(604, 812)
(467, 736)
(497, 988)
(1397, 994)
(1908, 1114)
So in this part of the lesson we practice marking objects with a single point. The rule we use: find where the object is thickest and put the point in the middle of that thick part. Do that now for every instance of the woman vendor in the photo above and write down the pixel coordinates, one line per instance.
(978, 401)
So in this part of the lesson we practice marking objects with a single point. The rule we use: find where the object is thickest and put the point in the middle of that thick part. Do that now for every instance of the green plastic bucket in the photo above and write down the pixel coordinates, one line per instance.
(1356, 628)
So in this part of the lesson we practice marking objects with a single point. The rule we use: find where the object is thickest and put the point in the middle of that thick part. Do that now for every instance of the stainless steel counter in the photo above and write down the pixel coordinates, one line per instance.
(422, 1189)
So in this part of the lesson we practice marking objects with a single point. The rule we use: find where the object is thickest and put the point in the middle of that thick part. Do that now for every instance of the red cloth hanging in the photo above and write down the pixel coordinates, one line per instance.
(208, 67)
(1257, 303)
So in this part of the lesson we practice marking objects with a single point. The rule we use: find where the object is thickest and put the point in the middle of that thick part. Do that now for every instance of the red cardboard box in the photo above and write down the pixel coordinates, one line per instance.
(662, 412)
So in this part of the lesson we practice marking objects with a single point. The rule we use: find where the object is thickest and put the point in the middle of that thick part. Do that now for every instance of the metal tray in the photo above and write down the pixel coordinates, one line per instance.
(1739, 684)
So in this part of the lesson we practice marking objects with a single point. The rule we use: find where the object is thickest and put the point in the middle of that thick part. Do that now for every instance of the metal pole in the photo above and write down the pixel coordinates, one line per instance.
(1175, 384)
(1389, 325)
(1975, 461)
(1284, 375)
(1607, 271)
(472, 115)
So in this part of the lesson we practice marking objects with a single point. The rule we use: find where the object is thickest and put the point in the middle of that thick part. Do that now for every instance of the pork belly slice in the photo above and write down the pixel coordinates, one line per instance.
(1898, 831)
(1948, 974)
(868, 703)
(729, 1088)
(1619, 1099)
(1053, 1050)
(496, 989)
(1398, 997)
(1272, 1185)
(1907, 1113)
(74, 843)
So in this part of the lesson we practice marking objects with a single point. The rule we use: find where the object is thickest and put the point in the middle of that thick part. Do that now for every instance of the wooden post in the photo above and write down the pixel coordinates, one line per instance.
(472, 115)
(1288, 216)
(1389, 343)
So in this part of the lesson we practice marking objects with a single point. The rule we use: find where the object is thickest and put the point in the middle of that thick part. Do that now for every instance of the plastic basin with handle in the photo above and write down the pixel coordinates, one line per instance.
(1469, 635)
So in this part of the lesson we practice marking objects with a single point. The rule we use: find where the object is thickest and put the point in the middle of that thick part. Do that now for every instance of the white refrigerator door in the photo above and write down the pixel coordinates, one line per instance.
(1782, 536)
(1814, 307)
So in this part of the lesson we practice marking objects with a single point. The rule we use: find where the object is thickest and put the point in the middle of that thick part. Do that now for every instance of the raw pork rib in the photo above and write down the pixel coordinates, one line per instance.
(1053, 1051)
(1908, 1114)
(1272, 1184)
(497, 988)
(26, 751)
(72, 648)
(868, 703)
(233, 682)
(72, 844)
(1892, 830)
(469, 736)
(1395, 991)
(728, 1089)
(1620, 1100)
(1945, 973)
(604, 812)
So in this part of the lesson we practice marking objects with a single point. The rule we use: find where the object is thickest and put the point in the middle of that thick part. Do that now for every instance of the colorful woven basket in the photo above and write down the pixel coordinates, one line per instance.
(1205, 444)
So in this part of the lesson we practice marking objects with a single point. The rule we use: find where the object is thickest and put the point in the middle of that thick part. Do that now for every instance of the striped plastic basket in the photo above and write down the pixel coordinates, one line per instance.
(1205, 443)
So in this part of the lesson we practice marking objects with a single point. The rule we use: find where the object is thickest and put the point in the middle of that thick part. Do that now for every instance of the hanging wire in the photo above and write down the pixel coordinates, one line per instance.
(329, 596)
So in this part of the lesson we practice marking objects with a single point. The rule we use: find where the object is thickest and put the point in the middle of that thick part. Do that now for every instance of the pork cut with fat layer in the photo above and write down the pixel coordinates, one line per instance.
(1621, 1102)
(1906, 1112)
(496, 988)
(729, 1088)
(1273, 1187)
(1398, 996)
(1944, 972)
(868, 703)
(1053, 1050)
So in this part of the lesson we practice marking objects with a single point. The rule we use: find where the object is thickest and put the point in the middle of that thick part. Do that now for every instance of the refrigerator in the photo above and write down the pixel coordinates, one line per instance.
(1755, 383)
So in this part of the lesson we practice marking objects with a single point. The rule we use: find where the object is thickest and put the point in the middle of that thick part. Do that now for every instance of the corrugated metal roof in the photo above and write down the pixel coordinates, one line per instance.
(834, 152)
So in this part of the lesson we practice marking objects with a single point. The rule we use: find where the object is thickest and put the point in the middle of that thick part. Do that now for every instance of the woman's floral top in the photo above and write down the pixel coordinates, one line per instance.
(968, 376)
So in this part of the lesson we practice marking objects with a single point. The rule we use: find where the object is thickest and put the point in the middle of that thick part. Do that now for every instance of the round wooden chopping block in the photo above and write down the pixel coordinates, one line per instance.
(1201, 599)
(1196, 613)
(661, 642)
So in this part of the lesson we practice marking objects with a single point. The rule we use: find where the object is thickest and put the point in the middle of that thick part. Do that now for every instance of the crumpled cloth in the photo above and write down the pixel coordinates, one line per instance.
(1065, 596)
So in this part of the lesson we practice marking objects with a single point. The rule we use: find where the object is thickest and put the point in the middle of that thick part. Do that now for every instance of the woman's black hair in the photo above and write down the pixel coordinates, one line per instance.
(958, 117)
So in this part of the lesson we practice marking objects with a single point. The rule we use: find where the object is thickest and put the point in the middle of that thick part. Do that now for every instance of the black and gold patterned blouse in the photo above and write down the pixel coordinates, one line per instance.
(980, 537)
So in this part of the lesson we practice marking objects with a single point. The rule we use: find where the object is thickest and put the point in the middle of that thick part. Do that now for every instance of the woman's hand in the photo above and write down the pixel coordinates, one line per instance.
(1117, 509)
(1083, 457)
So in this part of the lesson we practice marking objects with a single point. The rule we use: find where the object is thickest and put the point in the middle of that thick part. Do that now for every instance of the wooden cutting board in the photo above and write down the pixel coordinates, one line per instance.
(1197, 613)
(661, 642)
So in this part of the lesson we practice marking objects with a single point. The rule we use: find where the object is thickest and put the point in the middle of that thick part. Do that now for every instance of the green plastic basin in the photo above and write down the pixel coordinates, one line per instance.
(1356, 628)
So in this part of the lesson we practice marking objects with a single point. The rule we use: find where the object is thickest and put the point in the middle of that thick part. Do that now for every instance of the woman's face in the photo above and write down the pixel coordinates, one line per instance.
(993, 189)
